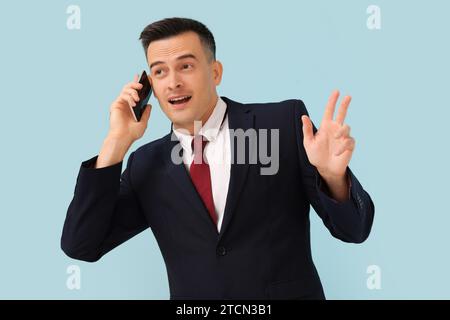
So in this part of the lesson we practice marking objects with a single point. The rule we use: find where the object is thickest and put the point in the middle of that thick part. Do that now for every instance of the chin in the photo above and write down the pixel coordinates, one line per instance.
(184, 121)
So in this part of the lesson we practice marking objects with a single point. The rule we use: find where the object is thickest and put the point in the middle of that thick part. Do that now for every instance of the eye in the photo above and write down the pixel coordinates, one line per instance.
(186, 66)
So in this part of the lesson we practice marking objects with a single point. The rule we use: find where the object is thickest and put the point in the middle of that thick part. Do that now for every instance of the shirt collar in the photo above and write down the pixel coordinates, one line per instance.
(209, 130)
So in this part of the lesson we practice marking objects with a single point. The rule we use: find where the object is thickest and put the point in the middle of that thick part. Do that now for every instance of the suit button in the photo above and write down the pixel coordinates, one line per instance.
(360, 202)
(221, 251)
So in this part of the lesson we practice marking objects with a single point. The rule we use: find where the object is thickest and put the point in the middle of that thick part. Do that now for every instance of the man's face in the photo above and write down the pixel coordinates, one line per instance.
(181, 67)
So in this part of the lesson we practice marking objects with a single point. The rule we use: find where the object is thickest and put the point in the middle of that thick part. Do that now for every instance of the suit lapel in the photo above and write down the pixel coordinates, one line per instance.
(181, 178)
(239, 117)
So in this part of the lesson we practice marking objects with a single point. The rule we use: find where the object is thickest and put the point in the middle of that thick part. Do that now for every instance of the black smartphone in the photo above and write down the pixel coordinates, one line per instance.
(144, 95)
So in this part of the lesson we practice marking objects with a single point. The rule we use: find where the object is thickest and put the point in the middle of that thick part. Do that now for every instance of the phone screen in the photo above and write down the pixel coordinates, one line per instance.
(144, 96)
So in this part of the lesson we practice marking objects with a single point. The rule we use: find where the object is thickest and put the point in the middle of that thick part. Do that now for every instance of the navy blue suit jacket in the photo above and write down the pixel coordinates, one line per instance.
(263, 248)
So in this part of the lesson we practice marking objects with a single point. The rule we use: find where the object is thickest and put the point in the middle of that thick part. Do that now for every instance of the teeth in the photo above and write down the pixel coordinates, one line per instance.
(180, 98)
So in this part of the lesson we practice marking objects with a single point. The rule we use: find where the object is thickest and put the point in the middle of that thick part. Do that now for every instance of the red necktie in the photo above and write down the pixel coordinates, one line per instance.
(201, 176)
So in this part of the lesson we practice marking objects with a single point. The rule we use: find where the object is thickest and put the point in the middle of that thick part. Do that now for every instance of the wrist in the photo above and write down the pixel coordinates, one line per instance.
(117, 146)
(333, 177)
(113, 151)
(119, 140)
(337, 185)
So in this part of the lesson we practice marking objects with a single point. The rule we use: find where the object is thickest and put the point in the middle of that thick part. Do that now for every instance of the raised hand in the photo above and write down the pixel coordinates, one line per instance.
(331, 148)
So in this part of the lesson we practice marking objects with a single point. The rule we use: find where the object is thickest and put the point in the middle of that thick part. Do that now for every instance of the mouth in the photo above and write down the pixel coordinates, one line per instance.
(180, 101)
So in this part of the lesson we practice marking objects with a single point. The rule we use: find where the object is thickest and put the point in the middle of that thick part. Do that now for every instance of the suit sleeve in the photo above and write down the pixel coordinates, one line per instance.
(103, 213)
(349, 221)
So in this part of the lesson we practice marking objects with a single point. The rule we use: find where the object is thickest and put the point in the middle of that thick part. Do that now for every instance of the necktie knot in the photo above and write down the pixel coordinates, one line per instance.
(198, 145)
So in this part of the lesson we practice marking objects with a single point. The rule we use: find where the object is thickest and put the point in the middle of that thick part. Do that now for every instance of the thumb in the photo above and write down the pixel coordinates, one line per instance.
(307, 128)
(146, 113)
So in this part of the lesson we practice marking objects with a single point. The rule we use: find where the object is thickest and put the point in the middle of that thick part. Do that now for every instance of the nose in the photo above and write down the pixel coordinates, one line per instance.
(175, 81)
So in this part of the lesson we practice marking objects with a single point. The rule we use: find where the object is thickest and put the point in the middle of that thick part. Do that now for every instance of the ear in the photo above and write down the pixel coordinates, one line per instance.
(217, 72)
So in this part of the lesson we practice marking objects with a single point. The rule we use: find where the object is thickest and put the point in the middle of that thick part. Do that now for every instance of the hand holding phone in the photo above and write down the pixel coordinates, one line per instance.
(128, 114)
(144, 96)
(123, 128)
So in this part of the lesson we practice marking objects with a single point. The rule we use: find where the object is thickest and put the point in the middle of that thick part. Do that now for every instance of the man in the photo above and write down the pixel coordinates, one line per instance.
(226, 228)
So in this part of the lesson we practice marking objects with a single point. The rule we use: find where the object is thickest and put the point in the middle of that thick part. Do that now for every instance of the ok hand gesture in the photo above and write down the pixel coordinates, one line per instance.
(331, 148)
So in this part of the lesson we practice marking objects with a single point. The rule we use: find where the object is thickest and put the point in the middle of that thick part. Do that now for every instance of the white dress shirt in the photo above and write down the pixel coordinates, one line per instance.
(217, 153)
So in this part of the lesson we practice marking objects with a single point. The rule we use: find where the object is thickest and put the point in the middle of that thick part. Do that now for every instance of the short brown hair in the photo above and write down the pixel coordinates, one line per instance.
(170, 27)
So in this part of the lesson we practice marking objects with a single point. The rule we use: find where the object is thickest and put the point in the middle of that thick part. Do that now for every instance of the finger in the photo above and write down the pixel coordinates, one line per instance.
(342, 112)
(133, 93)
(146, 114)
(329, 110)
(134, 85)
(344, 131)
(347, 145)
(307, 128)
(136, 78)
(127, 98)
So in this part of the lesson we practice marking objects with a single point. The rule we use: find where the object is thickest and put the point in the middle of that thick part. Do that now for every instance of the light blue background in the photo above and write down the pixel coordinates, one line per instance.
(57, 85)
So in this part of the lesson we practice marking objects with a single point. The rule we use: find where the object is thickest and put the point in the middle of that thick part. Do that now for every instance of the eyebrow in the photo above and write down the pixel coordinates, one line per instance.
(184, 56)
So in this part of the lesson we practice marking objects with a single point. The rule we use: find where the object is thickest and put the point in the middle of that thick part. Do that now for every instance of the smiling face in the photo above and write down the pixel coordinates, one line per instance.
(184, 79)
